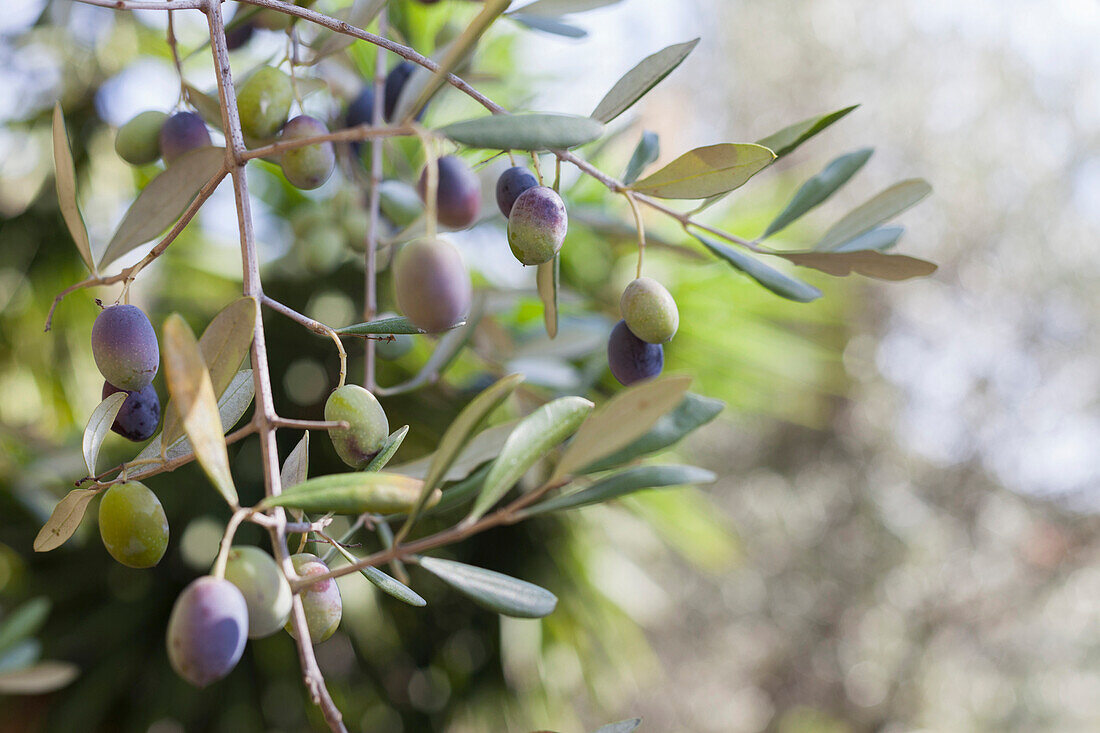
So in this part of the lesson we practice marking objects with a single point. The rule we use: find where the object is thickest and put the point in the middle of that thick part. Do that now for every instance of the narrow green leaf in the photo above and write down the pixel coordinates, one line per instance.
(528, 131)
(23, 622)
(385, 326)
(548, 278)
(384, 582)
(620, 484)
(458, 434)
(101, 420)
(494, 591)
(865, 262)
(207, 105)
(621, 420)
(483, 448)
(637, 82)
(779, 283)
(64, 520)
(564, 7)
(819, 188)
(189, 385)
(692, 413)
(388, 449)
(224, 344)
(648, 150)
(296, 466)
(231, 408)
(532, 439)
(706, 171)
(43, 677)
(162, 202)
(879, 238)
(623, 726)
(548, 25)
(881, 208)
(351, 493)
(20, 655)
(65, 181)
(786, 140)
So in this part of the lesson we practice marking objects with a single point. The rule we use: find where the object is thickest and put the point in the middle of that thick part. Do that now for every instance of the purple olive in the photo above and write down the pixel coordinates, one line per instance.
(458, 193)
(631, 359)
(537, 225)
(207, 630)
(395, 84)
(182, 132)
(125, 347)
(511, 184)
(431, 284)
(139, 415)
(321, 601)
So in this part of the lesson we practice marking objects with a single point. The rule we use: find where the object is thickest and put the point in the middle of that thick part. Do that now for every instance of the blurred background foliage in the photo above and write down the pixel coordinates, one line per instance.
(902, 534)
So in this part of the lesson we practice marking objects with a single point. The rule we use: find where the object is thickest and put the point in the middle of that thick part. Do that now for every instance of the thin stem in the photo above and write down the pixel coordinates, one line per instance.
(370, 275)
(640, 224)
(349, 134)
(147, 4)
(218, 571)
(286, 422)
(171, 38)
(316, 326)
(537, 167)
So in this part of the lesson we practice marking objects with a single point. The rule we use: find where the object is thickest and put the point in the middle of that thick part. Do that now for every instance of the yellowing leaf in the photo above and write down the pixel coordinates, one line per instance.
(103, 417)
(65, 180)
(189, 385)
(865, 262)
(706, 171)
(64, 520)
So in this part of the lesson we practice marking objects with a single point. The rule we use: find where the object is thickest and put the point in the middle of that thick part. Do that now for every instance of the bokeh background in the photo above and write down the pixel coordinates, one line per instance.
(903, 536)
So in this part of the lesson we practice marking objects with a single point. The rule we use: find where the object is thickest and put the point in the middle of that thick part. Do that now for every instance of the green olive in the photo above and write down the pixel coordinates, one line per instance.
(649, 311)
(133, 525)
(368, 427)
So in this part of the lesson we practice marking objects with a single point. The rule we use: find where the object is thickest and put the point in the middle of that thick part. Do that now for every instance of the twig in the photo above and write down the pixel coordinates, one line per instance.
(316, 326)
(349, 134)
(370, 276)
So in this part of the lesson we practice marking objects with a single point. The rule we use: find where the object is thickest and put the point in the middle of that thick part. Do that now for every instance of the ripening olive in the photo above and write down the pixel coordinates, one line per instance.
(360, 111)
(511, 184)
(264, 102)
(321, 601)
(431, 284)
(138, 141)
(207, 630)
(182, 132)
(125, 347)
(395, 84)
(132, 525)
(537, 225)
(139, 415)
(649, 310)
(631, 359)
(458, 192)
(368, 427)
(307, 167)
(262, 583)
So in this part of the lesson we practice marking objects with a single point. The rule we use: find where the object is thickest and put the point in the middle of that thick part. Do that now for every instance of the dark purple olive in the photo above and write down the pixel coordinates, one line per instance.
(511, 184)
(458, 194)
(139, 416)
(631, 359)
(395, 84)
(182, 132)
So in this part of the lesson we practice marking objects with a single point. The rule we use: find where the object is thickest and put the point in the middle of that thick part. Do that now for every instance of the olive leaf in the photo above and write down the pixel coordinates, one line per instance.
(224, 344)
(384, 582)
(691, 414)
(637, 82)
(622, 726)
(819, 188)
(621, 420)
(528, 131)
(166, 197)
(23, 622)
(880, 208)
(23, 654)
(548, 25)
(189, 385)
(42, 677)
(879, 238)
(394, 325)
(865, 262)
(494, 591)
(65, 181)
(779, 283)
(296, 466)
(101, 420)
(647, 151)
(484, 447)
(64, 520)
(457, 435)
(532, 439)
(620, 484)
(564, 7)
(786, 140)
(706, 171)
(548, 278)
(393, 442)
(352, 493)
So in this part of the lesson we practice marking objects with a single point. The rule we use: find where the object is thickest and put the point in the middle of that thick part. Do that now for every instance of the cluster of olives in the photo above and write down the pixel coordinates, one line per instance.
(650, 318)
(537, 221)
(125, 349)
(153, 135)
(213, 617)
